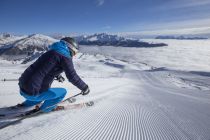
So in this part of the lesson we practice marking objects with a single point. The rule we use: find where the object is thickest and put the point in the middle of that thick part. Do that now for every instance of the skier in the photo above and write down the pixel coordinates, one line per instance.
(35, 82)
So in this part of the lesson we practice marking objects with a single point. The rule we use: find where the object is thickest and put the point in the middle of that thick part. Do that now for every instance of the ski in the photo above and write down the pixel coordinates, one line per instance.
(16, 110)
(35, 112)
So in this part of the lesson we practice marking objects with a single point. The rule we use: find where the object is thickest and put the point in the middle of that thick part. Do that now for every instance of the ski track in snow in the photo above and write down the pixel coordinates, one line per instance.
(136, 104)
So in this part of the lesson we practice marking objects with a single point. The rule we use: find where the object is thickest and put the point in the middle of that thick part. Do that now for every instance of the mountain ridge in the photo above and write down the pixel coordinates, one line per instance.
(29, 47)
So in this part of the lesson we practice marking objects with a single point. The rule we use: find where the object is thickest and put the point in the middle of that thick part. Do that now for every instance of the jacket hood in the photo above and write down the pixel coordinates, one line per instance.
(62, 48)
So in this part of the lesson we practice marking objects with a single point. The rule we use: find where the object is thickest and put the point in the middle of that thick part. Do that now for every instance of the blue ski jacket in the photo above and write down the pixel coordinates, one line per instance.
(39, 76)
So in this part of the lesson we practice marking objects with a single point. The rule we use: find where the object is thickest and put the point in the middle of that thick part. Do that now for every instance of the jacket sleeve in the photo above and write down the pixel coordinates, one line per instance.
(71, 74)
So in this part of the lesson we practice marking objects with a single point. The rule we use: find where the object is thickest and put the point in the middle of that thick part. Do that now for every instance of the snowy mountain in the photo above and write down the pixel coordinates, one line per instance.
(104, 39)
(27, 48)
(7, 38)
(24, 47)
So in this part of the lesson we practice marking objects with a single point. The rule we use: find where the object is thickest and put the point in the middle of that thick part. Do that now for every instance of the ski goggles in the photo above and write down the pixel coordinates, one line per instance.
(74, 49)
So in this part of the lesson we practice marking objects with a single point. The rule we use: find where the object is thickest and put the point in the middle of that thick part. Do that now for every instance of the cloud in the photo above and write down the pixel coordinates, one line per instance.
(100, 2)
(192, 27)
(178, 31)
(177, 4)
(192, 3)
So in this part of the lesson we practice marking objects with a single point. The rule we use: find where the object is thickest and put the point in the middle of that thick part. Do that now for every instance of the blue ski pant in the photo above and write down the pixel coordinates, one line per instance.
(51, 98)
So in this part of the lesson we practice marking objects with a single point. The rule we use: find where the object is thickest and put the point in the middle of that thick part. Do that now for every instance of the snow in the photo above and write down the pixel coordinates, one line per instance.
(8, 40)
(22, 42)
(93, 38)
(139, 93)
(35, 40)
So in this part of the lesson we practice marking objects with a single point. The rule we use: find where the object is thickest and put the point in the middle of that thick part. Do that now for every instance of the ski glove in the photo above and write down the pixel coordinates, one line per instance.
(60, 78)
(86, 91)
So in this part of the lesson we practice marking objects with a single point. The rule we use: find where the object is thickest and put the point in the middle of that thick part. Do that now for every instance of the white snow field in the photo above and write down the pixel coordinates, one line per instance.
(139, 94)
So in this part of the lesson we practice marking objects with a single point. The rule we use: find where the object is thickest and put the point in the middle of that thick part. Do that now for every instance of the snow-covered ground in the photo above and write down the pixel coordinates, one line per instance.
(139, 93)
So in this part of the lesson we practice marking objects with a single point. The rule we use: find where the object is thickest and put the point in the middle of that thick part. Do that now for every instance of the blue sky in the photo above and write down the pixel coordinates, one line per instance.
(114, 16)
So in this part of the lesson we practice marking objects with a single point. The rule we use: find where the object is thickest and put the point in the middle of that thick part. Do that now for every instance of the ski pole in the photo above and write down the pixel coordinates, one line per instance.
(70, 98)
(4, 80)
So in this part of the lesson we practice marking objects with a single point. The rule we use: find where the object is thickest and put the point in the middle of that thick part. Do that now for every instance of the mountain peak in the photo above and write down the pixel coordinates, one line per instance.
(103, 39)
(26, 45)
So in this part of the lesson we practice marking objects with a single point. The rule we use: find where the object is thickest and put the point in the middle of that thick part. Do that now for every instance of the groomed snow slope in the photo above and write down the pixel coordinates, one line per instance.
(132, 101)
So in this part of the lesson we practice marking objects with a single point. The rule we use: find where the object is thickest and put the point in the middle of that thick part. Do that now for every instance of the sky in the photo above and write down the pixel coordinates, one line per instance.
(111, 16)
